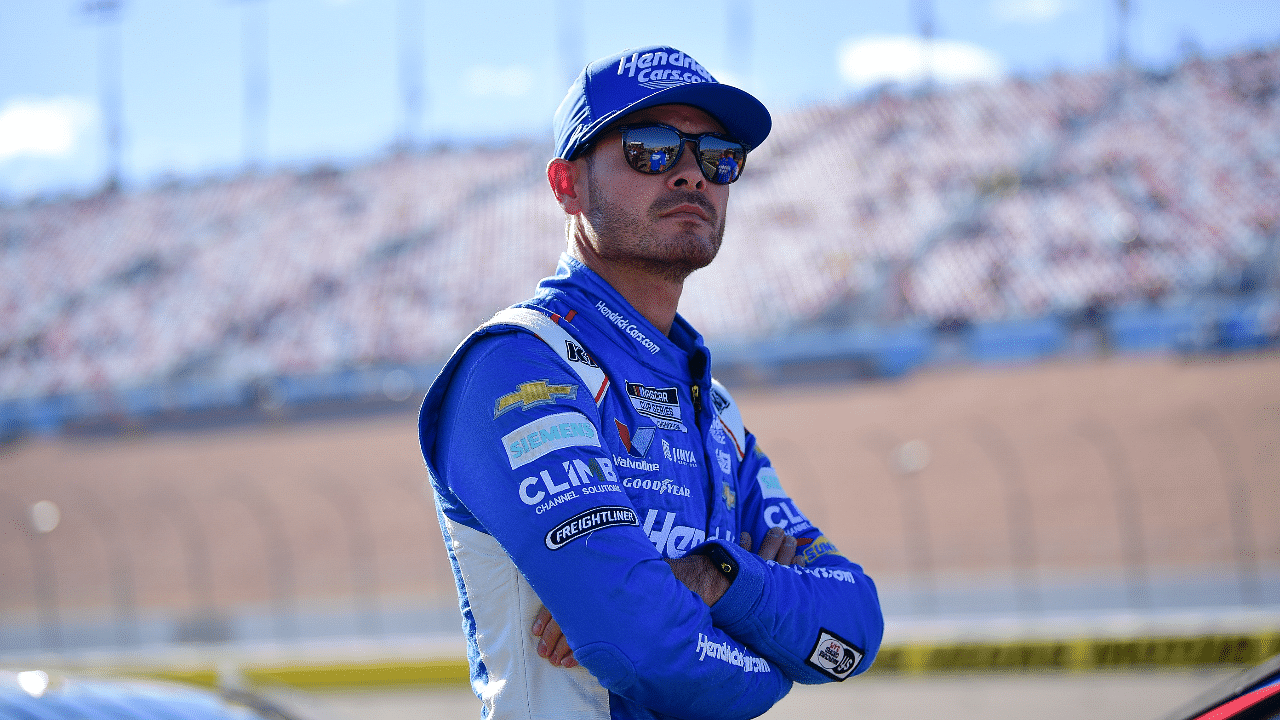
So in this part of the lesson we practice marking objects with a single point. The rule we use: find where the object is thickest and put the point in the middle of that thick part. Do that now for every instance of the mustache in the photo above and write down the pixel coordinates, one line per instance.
(683, 197)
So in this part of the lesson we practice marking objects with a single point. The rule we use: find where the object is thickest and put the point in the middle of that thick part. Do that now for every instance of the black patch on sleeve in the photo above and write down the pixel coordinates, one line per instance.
(834, 656)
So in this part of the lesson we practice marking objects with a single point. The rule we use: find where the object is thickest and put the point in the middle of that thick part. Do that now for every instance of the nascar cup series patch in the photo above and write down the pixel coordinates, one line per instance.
(834, 656)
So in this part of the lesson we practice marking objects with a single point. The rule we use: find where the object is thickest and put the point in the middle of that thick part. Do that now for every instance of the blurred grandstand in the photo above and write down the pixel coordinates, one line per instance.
(1116, 211)
(1102, 515)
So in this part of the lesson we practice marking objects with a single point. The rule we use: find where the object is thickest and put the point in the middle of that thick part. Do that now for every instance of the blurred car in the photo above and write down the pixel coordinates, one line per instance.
(1251, 695)
(37, 695)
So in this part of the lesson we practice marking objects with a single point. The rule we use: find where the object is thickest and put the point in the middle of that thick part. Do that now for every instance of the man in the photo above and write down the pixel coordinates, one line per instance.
(598, 494)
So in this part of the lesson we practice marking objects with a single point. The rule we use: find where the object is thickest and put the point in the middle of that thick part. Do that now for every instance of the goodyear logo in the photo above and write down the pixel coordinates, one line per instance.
(532, 394)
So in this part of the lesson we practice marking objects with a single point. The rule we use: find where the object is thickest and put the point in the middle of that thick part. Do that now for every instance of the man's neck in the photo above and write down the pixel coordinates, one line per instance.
(654, 295)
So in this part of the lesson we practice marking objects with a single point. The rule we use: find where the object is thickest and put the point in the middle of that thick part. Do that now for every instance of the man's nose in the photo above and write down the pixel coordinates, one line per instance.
(687, 171)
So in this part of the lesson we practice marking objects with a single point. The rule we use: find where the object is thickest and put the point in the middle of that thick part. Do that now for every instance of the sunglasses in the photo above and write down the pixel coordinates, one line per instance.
(656, 148)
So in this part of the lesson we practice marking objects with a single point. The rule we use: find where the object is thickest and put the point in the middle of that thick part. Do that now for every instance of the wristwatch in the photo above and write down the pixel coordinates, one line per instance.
(720, 559)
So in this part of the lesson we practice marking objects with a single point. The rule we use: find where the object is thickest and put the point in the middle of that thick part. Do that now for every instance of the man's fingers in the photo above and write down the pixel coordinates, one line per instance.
(561, 655)
(550, 637)
(744, 541)
(554, 646)
(799, 560)
(787, 551)
(771, 544)
(540, 621)
(552, 643)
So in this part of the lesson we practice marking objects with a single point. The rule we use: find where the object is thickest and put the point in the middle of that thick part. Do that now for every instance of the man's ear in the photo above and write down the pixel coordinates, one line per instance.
(563, 177)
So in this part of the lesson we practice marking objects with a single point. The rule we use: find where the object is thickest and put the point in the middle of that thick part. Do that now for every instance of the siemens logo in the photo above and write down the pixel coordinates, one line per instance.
(547, 434)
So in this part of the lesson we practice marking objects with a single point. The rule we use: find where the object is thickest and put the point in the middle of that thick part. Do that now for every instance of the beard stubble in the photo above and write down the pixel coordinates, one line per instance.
(626, 238)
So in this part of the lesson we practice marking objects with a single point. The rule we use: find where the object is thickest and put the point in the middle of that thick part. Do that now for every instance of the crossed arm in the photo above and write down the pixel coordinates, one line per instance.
(697, 574)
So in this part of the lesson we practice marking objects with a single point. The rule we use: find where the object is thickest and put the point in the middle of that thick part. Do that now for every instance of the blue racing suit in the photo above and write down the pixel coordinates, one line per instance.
(572, 447)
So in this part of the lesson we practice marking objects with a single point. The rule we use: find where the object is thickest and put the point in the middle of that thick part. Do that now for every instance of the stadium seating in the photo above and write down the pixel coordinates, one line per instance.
(1025, 200)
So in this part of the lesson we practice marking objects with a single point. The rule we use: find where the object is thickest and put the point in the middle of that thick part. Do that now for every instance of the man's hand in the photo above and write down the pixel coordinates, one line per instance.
(776, 546)
(552, 644)
(697, 574)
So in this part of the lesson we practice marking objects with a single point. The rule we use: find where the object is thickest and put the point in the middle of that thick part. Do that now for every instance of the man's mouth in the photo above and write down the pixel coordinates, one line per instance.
(677, 205)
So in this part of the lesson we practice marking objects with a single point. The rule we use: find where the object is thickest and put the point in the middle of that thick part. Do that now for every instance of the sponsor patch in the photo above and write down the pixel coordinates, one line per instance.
(784, 514)
(770, 485)
(662, 487)
(585, 523)
(816, 549)
(834, 656)
(662, 405)
(724, 461)
(717, 433)
(637, 443)
(533, 394)
(544, 492)
(577, 354)
(719, 400)
(553, 432)
(679, 455)
(730, 497)
(640, 465)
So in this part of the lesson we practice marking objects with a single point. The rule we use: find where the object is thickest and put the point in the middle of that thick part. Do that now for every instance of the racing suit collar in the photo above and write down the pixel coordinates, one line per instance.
(593, 297)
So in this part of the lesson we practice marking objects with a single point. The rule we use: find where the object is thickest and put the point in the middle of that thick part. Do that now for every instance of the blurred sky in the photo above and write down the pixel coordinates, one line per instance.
(495, 69)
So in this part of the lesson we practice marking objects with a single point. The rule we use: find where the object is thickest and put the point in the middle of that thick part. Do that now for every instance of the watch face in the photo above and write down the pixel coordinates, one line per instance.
(722, 561)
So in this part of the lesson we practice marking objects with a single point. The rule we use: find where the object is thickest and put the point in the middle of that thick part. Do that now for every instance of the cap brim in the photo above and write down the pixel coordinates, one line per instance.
(744, 118)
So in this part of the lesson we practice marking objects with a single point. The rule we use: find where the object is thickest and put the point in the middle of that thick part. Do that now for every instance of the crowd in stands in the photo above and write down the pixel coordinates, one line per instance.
(981, 202)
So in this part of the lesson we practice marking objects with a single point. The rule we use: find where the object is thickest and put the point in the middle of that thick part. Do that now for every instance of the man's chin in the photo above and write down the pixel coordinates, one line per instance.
(679, 266)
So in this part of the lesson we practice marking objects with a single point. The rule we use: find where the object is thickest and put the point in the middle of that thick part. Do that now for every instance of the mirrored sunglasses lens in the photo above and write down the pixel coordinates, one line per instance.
(721, 159)
(651, 150)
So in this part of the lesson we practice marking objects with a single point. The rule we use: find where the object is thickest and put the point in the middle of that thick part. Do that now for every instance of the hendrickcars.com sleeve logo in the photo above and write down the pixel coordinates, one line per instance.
(585, 523)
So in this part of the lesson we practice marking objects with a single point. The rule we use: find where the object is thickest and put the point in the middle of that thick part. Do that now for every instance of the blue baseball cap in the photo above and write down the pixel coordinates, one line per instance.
(644, 77)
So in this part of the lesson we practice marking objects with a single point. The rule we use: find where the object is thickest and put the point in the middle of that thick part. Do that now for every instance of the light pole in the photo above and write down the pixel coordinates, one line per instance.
(106, 13)
(253, 49)
(412, 94)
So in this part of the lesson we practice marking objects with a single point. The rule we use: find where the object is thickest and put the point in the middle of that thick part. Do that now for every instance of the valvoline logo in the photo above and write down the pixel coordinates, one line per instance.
(637, 444)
